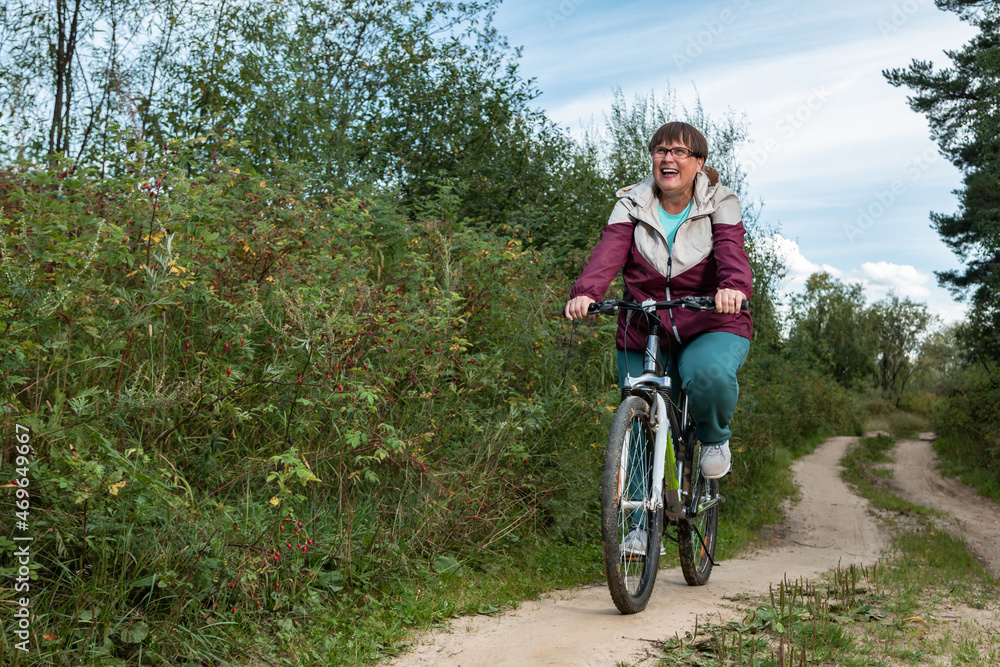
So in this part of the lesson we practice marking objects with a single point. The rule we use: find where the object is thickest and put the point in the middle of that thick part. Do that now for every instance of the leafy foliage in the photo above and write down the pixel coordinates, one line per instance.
(221, 347)
(832, 329)
(900, 324)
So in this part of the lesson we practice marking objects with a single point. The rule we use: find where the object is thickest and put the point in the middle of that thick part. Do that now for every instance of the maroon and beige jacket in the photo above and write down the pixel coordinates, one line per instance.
(707, 255)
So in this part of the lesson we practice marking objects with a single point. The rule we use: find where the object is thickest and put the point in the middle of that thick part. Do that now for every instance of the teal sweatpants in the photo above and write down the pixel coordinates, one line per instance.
(706, 368)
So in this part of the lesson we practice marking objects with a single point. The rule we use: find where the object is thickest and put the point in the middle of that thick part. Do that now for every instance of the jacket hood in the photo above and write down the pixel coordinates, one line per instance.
(643, 195)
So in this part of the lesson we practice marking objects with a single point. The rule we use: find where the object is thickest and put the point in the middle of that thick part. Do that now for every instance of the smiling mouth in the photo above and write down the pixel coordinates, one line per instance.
(669, 172)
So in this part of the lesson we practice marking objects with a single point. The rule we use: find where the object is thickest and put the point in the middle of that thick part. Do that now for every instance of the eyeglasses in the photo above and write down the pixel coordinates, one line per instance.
(678, 152)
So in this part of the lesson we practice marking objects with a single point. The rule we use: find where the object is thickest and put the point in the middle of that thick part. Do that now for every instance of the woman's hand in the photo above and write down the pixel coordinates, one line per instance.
(729, 300)
(576, 308)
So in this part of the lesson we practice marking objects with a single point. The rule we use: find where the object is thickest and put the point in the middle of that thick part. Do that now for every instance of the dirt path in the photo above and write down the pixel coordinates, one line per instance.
(978, 518)
(828, 526)
(582, 626)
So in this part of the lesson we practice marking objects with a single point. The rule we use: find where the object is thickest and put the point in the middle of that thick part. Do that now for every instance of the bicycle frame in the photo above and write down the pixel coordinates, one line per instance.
(666, 467)
(657, 390)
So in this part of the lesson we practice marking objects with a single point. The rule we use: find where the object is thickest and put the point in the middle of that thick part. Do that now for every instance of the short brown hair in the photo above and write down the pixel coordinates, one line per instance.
(683, 133)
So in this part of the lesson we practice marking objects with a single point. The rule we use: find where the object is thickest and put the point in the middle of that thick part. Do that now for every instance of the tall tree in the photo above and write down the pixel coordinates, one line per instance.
(962, 105)
(900, 325)
(69, 70)
(833, 329)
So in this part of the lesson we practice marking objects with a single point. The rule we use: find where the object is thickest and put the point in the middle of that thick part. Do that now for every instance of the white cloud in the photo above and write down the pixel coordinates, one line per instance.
(798, 268)
(879, 278)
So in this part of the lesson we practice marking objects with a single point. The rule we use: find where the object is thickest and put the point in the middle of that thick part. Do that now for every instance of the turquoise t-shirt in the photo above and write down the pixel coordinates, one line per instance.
(671, 223)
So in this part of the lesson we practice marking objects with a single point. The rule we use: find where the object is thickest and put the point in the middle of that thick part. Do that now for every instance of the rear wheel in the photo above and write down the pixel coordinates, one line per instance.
(631, 532)
(697, 537)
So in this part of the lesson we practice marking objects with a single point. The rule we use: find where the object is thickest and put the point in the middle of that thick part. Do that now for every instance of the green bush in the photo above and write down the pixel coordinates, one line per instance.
(967, 423)
(247, 400)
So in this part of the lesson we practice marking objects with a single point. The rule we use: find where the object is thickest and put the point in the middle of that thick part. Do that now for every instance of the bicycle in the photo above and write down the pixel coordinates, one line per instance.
(644, 488)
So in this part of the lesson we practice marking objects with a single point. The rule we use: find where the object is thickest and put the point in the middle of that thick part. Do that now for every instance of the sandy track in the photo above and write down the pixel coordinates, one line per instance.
(828, 526)
(978, 518)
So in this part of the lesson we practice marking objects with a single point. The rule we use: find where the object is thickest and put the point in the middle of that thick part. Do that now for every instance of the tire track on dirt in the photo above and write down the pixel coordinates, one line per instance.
(915, 478)
(829, 525)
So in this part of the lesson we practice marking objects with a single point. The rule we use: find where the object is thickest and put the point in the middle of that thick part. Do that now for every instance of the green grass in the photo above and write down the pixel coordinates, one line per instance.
(341, 635)
(743, 517)
(965, 460)
(866, 469)
(891, 613)
(905, 424)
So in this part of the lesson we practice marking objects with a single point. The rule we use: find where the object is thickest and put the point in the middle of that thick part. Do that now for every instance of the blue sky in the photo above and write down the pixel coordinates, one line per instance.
(842, 165)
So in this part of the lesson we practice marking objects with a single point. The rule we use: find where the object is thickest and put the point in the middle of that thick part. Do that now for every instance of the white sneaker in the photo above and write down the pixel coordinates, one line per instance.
(634, 543)
(716, 461)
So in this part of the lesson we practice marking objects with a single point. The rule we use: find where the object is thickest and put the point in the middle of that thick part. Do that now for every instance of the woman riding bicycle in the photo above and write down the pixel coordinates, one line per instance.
(679, 233)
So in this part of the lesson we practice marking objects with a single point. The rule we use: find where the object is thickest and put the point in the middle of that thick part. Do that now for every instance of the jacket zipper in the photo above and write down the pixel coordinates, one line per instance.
(670, 313)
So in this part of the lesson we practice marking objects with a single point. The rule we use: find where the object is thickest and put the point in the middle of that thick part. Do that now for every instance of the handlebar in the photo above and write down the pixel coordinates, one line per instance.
(703, 303)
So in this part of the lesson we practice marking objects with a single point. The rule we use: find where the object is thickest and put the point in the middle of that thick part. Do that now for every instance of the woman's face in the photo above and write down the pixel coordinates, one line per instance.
(675, 175)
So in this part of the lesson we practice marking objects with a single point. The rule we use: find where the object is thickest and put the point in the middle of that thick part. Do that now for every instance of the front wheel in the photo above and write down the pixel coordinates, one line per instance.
(631, 532)
(697, 537)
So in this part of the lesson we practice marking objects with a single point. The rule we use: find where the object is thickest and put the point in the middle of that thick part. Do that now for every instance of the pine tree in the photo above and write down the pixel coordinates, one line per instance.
(962, 105)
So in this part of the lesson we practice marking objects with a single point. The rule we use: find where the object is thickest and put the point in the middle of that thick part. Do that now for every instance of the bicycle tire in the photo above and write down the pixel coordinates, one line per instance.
(628, 474)
(698, 537)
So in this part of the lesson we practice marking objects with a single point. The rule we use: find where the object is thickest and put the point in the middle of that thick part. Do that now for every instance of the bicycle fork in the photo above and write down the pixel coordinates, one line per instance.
(663, 459)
